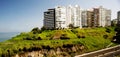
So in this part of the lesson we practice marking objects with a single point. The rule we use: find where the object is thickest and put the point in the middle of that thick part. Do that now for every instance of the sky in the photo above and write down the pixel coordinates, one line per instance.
(23, 15)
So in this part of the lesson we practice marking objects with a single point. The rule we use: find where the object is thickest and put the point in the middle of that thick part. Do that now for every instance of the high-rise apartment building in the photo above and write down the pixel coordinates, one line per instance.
(118, 17)
(77, 16)
(61, 17)
(90, 19)
(104, 17)
(69, 15)
(84, 18)
(49, 19)
(96, 17)
(108, 18)
(101, 16)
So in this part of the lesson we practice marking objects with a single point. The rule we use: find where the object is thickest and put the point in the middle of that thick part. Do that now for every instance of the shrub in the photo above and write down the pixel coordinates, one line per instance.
(105, 36)
(74, 31)
(43, 28)
(39, 38)
(36, 30)
(83, 36)
(108, 30)
(71, 26)
(32, 37)
(117, 37)
(80, 36)
(64, 36)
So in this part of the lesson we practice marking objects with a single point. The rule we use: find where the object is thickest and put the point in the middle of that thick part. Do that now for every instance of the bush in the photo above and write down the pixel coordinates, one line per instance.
(108, 30)
(80, 36)
(83, 37)
(64, 36)
(117, 37)
(43, 28)
(36, 30)
(71, 26)
(31, 36)
(117, 29)
(105, 36)
(74, 31)
(39, 38)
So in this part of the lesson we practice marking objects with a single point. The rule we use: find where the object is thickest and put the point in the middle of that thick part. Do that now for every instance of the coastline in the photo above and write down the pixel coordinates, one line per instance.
(7, 35)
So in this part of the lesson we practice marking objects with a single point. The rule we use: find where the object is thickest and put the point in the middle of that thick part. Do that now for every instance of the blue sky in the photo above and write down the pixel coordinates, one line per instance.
(23, 15)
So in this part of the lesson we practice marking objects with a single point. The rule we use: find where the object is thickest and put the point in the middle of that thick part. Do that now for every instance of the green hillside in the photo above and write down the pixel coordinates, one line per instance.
(91, 38)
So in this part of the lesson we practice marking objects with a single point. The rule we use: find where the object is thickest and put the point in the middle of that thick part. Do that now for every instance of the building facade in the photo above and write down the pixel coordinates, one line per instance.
(49, 19)
(96, 17)
(69, 15)
(108, 18)
(84, 18)
(90, 19)
(118, 17)
(104, 17)
(77, 16)
(61, 17)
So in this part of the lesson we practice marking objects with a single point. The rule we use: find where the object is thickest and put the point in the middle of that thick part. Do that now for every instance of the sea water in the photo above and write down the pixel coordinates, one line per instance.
(7, 35)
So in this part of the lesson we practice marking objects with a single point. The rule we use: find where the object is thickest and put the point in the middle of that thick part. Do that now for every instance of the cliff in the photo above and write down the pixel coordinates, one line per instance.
(52, 43)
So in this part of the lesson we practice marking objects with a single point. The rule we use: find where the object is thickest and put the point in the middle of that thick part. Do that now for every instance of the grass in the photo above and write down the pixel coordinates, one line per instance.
(93, 40)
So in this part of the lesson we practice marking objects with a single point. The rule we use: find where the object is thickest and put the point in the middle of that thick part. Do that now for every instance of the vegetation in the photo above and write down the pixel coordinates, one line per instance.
(117, 36)
(71, 26)
(91, 38)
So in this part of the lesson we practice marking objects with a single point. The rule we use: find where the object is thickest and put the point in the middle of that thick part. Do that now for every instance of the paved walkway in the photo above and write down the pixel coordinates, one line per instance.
(107, 52)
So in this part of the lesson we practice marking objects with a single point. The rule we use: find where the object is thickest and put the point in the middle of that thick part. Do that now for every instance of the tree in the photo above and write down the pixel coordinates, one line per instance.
(36, 30)
(43, 28)
(117, 37)
(108, 30)
(71, 26)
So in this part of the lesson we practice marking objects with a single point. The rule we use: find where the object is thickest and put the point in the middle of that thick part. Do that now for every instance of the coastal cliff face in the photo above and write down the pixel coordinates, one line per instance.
(57, 43)
(65, 51)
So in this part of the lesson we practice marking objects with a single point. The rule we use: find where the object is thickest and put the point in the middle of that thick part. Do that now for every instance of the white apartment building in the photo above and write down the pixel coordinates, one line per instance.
(104, 17)
(69, 15)
(84, 18)
(77, 16)
(108, 18)
(60, 17)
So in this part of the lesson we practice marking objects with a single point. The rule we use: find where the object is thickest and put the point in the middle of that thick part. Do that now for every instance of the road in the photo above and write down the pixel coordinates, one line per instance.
(107, 52)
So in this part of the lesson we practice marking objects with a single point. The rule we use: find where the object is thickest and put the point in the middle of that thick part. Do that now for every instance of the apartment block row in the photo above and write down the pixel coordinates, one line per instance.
(62, 17)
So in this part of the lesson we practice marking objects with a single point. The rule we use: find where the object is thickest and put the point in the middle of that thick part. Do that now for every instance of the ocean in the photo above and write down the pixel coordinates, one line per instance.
(7, 35)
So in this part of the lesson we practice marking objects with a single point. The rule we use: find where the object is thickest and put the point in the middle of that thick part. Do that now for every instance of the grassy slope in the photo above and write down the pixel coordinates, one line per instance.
(93, 40)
